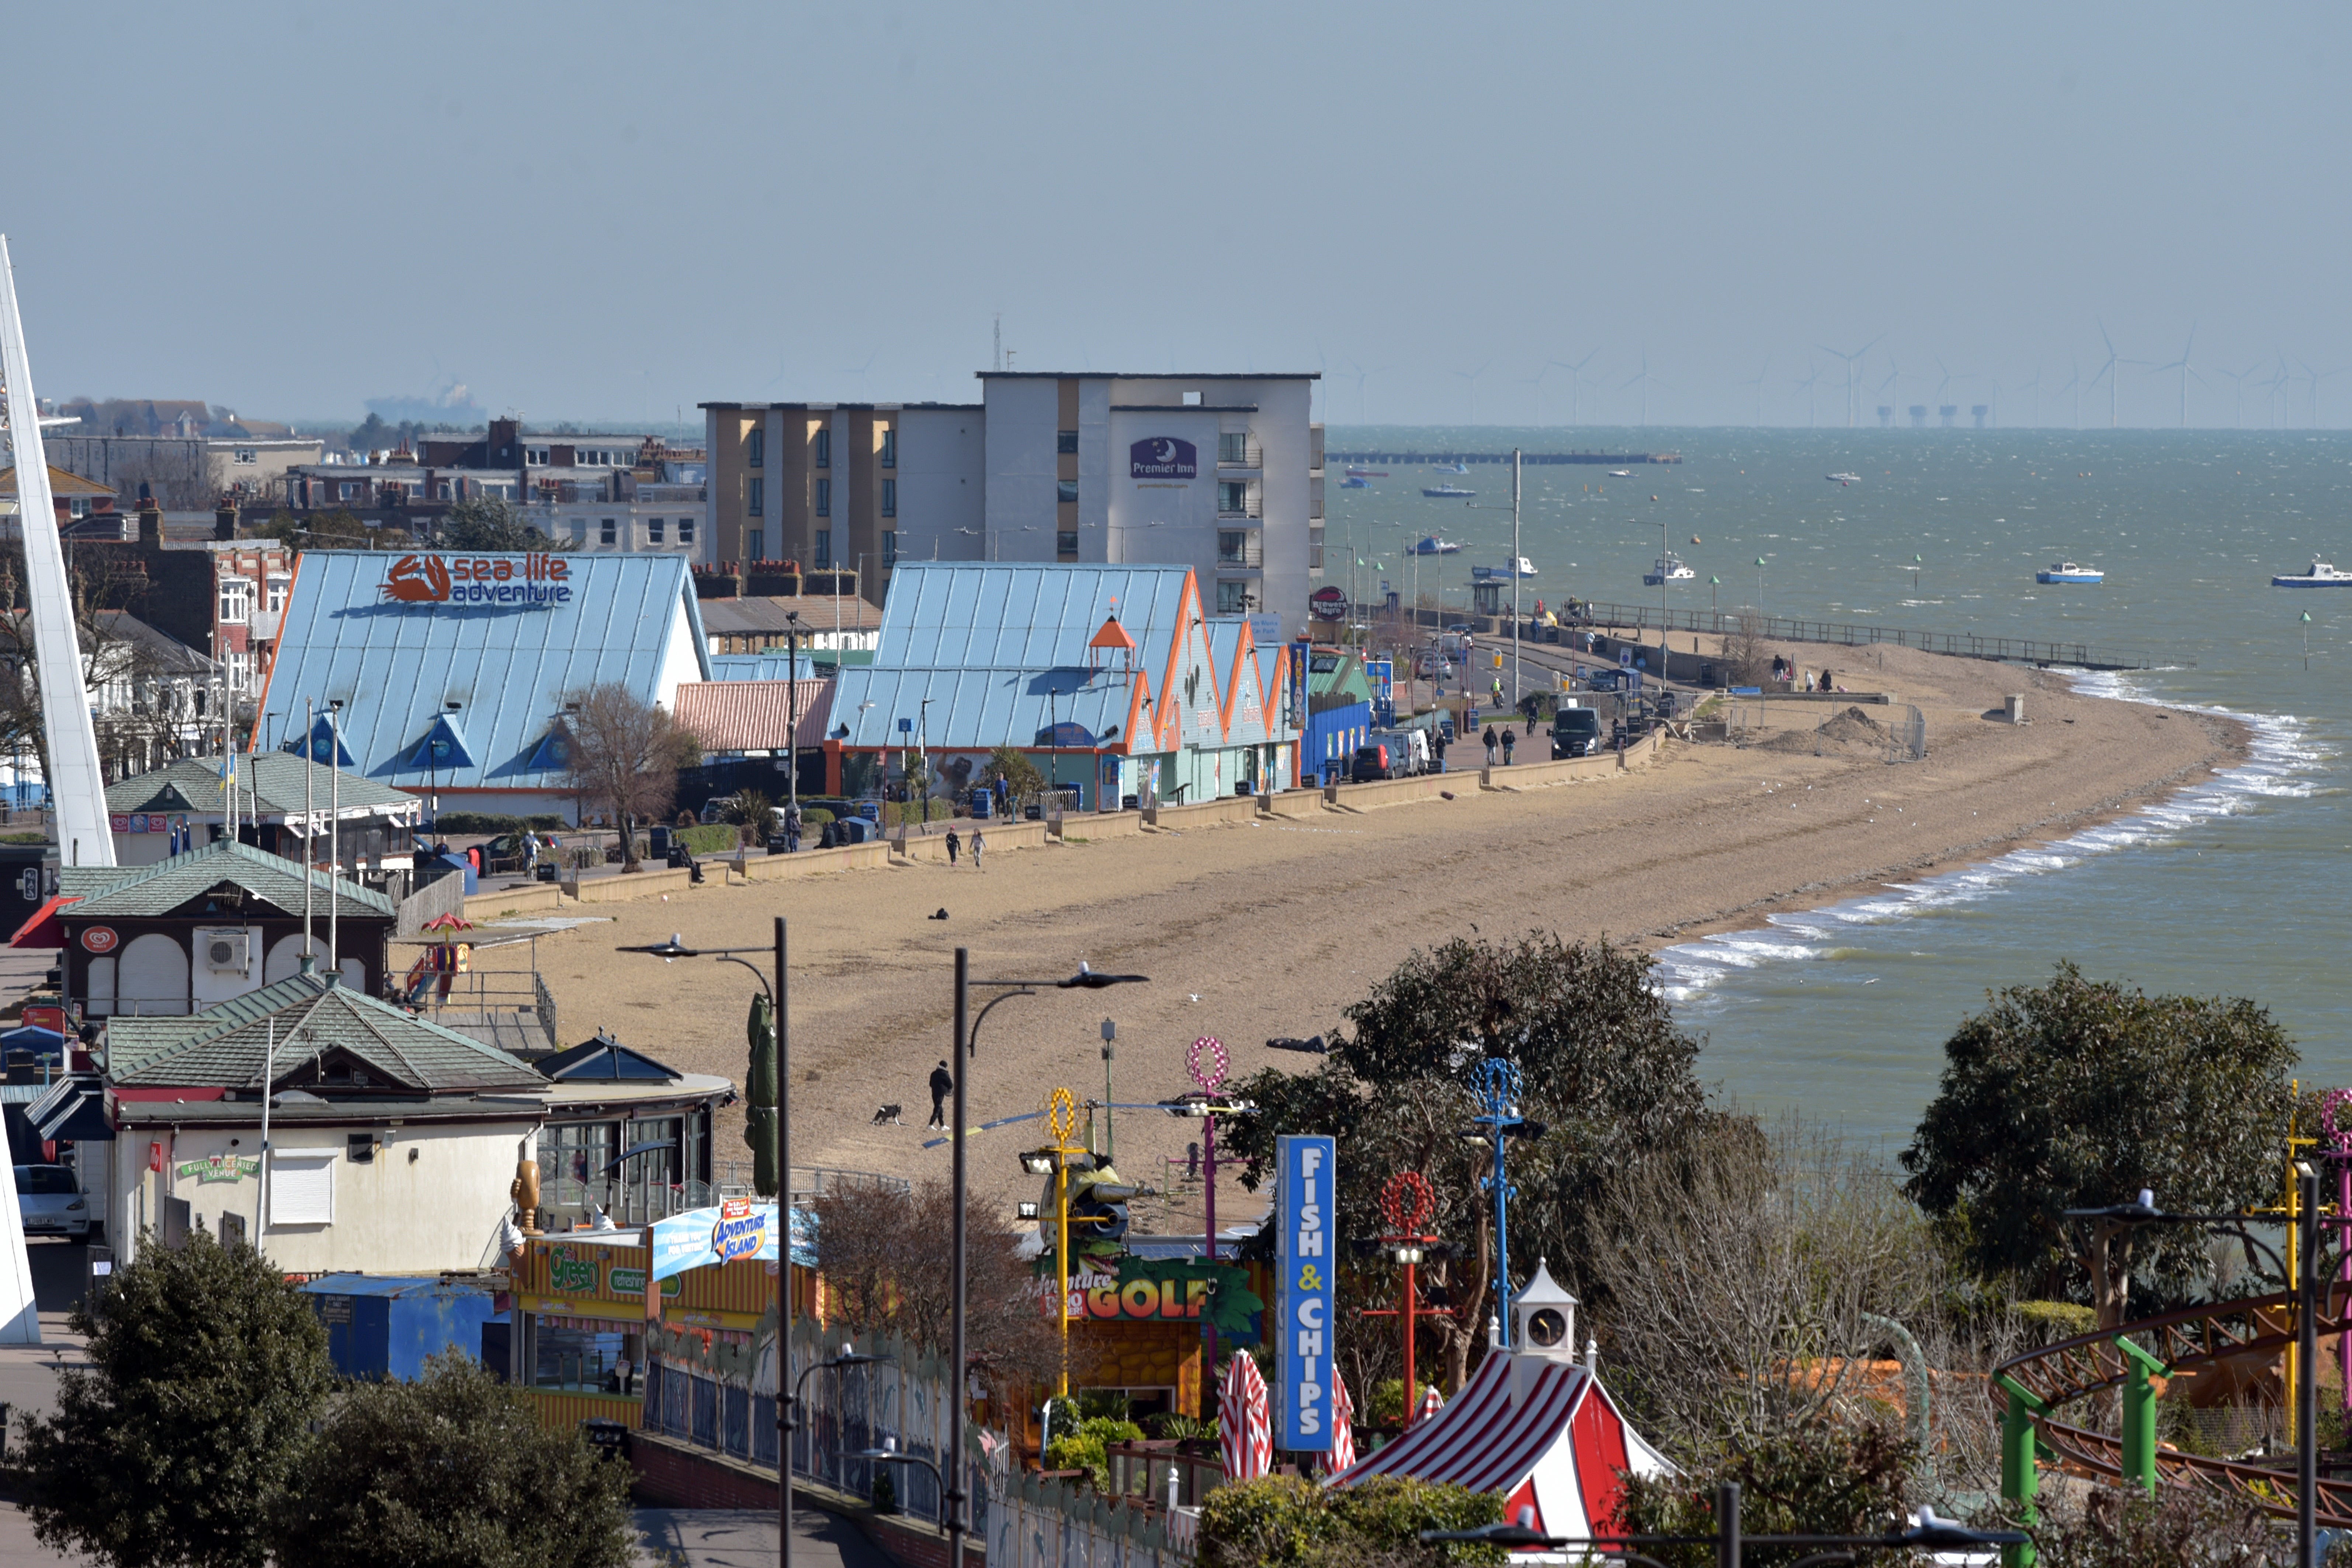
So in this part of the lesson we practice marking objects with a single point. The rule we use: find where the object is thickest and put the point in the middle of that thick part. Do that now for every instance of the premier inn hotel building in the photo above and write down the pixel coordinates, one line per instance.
(1220, 473)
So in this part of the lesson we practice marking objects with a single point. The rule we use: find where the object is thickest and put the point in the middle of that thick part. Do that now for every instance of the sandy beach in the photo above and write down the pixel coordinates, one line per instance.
(1251, 931)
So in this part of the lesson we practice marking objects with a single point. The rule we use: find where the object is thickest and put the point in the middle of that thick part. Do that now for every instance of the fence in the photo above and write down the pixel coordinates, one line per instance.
(1906, 734)
(1782, 628)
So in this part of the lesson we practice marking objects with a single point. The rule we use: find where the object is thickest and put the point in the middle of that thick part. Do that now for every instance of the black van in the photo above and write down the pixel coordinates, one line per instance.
(1575, 732)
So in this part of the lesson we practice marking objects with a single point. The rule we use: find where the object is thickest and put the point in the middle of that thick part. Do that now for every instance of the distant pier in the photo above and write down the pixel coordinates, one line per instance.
(1407, 459)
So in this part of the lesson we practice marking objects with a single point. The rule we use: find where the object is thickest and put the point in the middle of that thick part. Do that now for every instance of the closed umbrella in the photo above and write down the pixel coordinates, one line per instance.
(1343, 1427)
(1432, 1402)
(760, 1091)
(1246, 1427)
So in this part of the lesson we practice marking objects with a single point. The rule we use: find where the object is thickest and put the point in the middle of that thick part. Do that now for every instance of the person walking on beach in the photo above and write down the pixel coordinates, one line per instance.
(942, 1085)
(954, 844)
(979, 843)
(1510, 739)
(793, 828)
(1489, 739)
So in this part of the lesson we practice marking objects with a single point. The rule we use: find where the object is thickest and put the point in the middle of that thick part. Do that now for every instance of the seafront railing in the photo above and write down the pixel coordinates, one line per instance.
(1784, 629)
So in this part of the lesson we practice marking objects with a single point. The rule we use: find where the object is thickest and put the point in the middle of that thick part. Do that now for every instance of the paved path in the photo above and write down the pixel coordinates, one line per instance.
(746, 1538)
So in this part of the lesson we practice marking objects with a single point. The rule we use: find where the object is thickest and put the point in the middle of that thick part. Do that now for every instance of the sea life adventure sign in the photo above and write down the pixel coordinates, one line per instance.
(534, 580)
(1306, 1254)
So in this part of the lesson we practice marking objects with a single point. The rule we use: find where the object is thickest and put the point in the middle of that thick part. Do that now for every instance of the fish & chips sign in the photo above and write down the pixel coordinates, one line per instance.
(497, 580)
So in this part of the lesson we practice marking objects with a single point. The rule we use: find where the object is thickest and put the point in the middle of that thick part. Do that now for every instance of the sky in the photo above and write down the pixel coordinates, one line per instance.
(587, 211)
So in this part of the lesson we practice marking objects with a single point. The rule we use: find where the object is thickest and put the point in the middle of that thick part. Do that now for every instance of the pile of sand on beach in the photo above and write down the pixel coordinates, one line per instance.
(1851, 733)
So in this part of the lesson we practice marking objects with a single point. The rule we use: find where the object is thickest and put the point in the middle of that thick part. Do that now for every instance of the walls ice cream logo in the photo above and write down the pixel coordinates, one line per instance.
(1163, 457)
(536, 579)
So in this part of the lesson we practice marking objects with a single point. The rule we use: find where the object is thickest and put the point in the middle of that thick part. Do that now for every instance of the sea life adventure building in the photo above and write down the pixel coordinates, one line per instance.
(452, 671)
(1113, 680)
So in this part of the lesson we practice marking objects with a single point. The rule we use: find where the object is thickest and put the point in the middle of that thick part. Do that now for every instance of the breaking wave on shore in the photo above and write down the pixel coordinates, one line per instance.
(2281, 760)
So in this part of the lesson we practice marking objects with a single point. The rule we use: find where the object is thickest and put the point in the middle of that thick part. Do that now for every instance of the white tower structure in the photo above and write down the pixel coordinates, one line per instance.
(76, 785)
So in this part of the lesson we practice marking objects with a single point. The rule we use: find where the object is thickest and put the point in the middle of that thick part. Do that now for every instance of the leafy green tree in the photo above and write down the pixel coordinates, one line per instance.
(2079, 1093)
(170, 1447)
(454, 1470)
(492, 524)
(1016, 769)
(1606, 1069)
(1289, 1522)
(1832, 1478)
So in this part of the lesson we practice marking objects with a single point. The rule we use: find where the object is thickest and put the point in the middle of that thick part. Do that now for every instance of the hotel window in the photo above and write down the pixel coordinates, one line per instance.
(686, 530)
(825, 448)
(1065, 544)
(889, 497)
(825, 497)
(759, 452)
(275, 599)
(1232, 447)
(1066, 493)
(758, 498)
(890, 448)
(757, 545)
(1233, 598)
(236, 600)
(247, 457)
(606, 532)
(653, 530)
(1065, 441)
(347, 489)
(889, 548)
(1233, 497)
(824, 548)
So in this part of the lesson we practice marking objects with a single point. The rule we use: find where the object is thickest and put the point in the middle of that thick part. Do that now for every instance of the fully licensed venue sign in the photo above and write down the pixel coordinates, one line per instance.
(1306, 1255)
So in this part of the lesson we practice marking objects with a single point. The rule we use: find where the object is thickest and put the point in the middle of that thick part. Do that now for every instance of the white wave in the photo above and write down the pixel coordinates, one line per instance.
(2281, 757)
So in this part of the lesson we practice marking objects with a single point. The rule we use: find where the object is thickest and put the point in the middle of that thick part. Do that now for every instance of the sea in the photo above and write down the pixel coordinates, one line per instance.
(2230, 886)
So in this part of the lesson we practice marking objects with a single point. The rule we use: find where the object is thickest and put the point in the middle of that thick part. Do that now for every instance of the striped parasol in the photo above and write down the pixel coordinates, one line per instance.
(1246, 1427)
(1432, 1402)
(1342, 1456)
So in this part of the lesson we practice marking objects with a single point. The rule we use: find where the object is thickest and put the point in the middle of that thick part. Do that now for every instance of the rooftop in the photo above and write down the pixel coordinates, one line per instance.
(276, 778)
(153, 892)
(754, 715)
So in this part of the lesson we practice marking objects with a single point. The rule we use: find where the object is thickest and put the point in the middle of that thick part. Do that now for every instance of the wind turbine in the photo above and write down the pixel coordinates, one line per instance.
(2074, 385)
(2316, 377)
(1756, 381)
(1893, 374)
(2109, 370)
(1812, 375)
(1472, 377)
(1852, 360)
(2238, 384)
(1576, 383)
(1536, 380)
(1943, 390)
(2186, 370)
(1645, 379)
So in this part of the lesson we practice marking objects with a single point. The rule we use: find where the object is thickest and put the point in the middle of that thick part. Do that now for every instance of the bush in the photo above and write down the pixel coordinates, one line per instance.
(1387, 1406)
(813, 817)
(1083, 1450)
(718, 838)
(489, 822)
(1286, 1521)
(1830, 1477)
(896, 813)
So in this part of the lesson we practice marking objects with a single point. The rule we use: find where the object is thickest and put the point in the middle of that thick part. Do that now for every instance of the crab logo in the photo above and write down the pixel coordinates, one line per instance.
(417, 580)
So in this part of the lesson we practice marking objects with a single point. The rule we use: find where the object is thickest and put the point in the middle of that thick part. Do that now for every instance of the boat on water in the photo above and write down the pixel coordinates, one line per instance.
(1358, 471)
(1355, 482)
(1434, 546)
(1843, 478)
(1669, 569)
(1621, 473)
(1445, 492)
(2322, 574)
(2067, 572)
(1521, 567)
(1450, 468)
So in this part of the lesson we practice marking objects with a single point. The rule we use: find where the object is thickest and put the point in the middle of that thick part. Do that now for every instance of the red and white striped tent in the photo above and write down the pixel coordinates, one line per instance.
(1541, 1431)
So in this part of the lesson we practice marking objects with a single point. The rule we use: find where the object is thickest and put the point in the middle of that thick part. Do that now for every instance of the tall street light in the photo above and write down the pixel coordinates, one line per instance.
(1498, 1121)
(967, 1045)
(780, 998)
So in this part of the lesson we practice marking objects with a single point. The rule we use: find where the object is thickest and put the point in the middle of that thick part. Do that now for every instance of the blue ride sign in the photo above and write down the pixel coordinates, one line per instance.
(1306, 1254)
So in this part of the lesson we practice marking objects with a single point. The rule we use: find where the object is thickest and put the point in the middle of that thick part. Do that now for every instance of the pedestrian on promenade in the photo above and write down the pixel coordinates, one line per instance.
(1510, 739)
(1489, 739)
(793, 828)
(979, 843)
(954, 844)
(1438, 746)
(942, 1085)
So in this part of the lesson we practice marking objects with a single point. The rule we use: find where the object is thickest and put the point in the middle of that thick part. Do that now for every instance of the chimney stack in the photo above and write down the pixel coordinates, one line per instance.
(225, 520)
(150, 522)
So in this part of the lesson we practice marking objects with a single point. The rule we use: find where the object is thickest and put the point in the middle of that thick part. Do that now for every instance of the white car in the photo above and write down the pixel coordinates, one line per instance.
(49, 1204)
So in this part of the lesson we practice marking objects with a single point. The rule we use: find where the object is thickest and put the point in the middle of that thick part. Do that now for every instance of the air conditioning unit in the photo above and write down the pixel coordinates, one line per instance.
(224, 949)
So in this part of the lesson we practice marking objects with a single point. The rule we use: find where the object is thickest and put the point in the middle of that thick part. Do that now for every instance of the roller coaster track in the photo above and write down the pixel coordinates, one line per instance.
(2231, 1338)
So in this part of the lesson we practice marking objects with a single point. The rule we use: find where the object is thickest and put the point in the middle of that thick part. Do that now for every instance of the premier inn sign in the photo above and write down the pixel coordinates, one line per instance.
(1163, 457)
(503, 581)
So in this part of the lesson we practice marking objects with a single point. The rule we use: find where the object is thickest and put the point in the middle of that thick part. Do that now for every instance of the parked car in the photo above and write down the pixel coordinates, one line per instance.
(49, 1204)
(1408, 752)
(1609, 680)
(1575, 732)
(1375, 760)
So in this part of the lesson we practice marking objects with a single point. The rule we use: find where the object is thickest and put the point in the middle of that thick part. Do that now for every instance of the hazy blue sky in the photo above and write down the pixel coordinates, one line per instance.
(589, 210)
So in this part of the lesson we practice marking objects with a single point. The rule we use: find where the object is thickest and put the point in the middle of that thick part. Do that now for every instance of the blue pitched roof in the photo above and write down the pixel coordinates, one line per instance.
(762, 666)
(1000, 652)
(396, 664)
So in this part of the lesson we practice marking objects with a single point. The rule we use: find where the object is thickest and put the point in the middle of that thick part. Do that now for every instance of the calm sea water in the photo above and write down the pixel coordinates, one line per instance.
(2232, 888)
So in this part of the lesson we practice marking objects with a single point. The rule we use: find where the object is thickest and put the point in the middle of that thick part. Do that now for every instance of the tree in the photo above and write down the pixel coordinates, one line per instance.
(454, 1470)
(134, 714)
(1289, 1522)
(623, 758)
(1019, 774)
(336, 530)
(206, 1369)
(491, 523)
(1828, 1478)
(2078, 1094)
(885, 1272)
(1606, 1069)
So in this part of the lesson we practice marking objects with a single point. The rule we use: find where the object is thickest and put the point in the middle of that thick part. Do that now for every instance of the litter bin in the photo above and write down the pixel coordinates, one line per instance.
(674, 854)
(609, 1439)
(657, 843)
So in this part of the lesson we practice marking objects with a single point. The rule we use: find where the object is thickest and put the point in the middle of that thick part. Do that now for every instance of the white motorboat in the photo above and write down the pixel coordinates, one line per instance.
(2067, 572)
(1434, 546)
(1450, 468)
(1669, 569)
(1621, 473)
(2321, 575)
(1445, 492)
(1524, 568)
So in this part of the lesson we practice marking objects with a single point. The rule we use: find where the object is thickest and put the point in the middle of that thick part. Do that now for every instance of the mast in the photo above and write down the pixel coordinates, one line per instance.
(76, 784)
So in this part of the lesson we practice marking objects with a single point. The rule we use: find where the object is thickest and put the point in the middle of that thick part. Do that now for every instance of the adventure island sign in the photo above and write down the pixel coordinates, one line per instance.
(534, 580)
